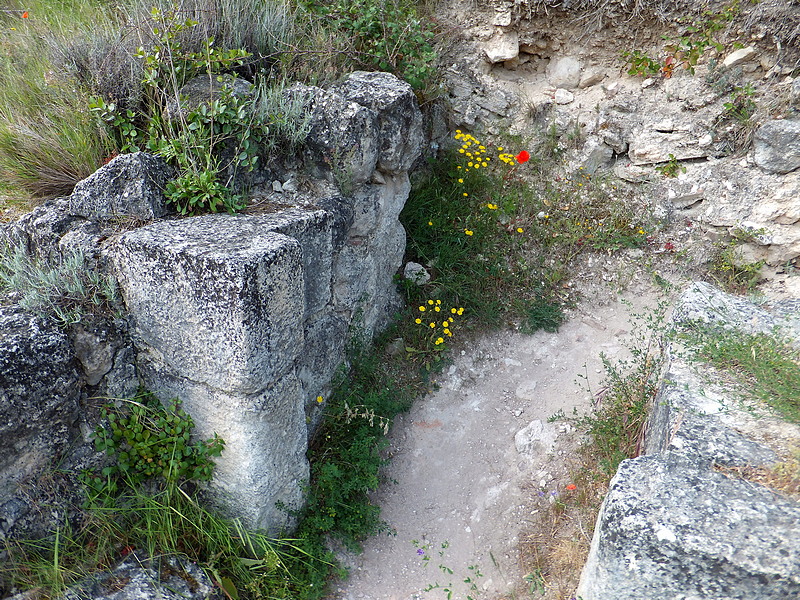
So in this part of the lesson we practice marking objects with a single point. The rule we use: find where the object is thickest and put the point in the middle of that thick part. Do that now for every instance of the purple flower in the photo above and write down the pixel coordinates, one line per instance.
(420, 552)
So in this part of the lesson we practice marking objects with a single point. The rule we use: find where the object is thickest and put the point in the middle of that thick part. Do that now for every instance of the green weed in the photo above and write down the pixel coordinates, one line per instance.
(671, 168)
(616, 426)
(731, 273)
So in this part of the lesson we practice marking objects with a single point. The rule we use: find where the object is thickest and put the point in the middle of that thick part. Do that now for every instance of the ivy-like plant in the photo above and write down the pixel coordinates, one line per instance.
(149, 441)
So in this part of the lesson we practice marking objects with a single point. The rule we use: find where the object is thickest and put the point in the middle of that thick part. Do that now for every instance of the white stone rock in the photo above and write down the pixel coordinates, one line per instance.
(563, 96)
(537, 437)
(503, 46)
(738, 57)
(417, 273)
(591, 78)
(564, 72)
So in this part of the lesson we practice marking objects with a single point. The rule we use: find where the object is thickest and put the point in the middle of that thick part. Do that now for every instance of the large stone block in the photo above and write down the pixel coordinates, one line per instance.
(400, 133)
(313, 229)
(672, 528)
(219, 298)
(264, 460)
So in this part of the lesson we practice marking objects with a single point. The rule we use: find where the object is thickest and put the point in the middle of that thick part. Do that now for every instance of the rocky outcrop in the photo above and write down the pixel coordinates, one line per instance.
(244, 318)
(674, 522)
(777, 146)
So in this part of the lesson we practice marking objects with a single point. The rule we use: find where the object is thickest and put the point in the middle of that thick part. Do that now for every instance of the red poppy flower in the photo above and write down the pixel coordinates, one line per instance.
(523, 156)
(25, 15)
(572, 486)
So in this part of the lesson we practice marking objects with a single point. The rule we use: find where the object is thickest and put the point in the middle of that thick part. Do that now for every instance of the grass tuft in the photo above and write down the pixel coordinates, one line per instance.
(767, 365)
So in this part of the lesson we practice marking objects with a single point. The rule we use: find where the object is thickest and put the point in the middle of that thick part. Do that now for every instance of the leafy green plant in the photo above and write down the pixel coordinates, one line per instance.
(671, 168)
(639, 64)
(67, 289)
(386, 36)
(699, 34)
(741, 105)
(146, 440)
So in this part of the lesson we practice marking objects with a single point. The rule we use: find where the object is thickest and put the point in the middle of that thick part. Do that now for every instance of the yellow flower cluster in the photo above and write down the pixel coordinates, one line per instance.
(474, 152)
(509, 159)
(439, 329)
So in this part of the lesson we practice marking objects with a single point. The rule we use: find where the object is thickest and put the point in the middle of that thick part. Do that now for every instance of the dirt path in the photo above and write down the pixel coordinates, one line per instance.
(463, 480)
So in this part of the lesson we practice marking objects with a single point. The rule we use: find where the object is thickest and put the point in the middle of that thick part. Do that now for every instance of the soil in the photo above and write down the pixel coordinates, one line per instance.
(461, 476)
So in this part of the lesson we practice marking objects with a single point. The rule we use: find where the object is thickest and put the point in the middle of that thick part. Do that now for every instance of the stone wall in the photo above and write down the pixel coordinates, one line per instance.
(245, 317)
(674, 524)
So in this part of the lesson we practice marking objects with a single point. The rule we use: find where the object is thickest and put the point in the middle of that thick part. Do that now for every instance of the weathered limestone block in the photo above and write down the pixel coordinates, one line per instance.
(364, 267)
(221, 305)
(672, 528)
(313, 229)
(39, 396)
(264, 460)
(130, 185)
(652, 147)
(777, 146)
(400, 133)
(215, 290)
(672, 525)
(344, 135)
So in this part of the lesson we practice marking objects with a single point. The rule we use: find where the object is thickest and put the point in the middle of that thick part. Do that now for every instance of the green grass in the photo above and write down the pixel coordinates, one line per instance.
(501, 240)
(766, 365)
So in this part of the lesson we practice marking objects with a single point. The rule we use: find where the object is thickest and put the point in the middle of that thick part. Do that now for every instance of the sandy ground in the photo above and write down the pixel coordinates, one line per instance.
(463, 474)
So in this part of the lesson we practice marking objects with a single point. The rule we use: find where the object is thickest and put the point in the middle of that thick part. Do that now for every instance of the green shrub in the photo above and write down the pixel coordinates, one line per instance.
(146, 440)
(378, 35)
(68, 289)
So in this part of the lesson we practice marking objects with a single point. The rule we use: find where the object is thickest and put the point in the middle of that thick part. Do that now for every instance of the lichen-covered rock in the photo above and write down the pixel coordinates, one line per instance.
(137, 578)
(777, 145)
(39, 407)
(672, 528)
(218, 304)
(40, 231)
(343, 136)
(130, 185)
(400, 132)
(703, 303)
